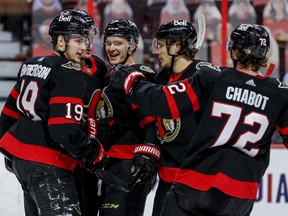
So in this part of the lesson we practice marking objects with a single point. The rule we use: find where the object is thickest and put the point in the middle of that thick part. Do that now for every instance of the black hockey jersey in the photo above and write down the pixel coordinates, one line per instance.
(46, 125)
(239, 113)
(174, 134)
(127, 119)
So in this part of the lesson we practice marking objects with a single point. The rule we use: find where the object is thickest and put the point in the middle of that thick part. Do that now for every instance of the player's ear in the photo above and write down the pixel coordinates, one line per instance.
(234, 54)
(61, 43)
(178, 47)
(132, 48)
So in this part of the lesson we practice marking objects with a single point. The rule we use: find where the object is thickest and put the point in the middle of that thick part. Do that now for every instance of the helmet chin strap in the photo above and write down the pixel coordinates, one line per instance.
(61, 53)
(66, 46)
(172, 60)
(172, 64)
(127, 56)
(234, 60)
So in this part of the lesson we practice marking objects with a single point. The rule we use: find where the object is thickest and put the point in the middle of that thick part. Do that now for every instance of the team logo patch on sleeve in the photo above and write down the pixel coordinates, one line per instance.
(72, 65)
(282, 85)
(207, 64)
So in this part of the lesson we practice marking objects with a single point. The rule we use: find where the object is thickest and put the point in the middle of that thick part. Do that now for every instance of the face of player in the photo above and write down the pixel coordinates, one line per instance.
(162, 53)
(75, 48)
(116, 49)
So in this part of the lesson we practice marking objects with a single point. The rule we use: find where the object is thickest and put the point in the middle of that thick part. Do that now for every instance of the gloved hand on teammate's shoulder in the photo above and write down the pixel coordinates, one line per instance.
(145, 162)
(124, 77)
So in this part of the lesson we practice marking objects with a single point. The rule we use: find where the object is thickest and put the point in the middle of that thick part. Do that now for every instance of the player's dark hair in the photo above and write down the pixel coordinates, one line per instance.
(249, 61)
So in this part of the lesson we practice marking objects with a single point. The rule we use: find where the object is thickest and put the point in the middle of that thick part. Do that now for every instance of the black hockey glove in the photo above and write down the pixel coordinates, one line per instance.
(99, 160)
(106, 130)
(90, 127)
(8, 164)
(124, 77)
(145, 163)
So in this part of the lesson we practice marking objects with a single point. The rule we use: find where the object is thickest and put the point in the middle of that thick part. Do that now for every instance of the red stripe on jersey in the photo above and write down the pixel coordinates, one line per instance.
(93, 103)
(92, 70)
(11, 113)
(122, 151)
(36, 153)
(228, 185)
(192, 95)
(14, 93)
(172, 103)
(146, 121)
(134, 106)
(62, 120)
(64, 100)
(167, 174)
(283, 131)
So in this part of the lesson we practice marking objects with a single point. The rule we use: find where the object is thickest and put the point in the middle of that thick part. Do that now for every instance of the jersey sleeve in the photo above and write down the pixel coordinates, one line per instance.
(173, 100)
(169, 101)
(283, 128)
(66, 110)
(10, 114)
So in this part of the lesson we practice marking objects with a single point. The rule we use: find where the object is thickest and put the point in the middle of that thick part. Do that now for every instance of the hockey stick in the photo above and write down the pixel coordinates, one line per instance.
(270, 70)
(201, 31)
(118, 183)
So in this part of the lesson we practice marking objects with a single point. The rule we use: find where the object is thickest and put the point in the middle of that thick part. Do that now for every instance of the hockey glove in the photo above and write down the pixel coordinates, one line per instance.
(145, 163)
(8, 164)
(92, 128)
(106, 130)
(99, 159)
(124, 77)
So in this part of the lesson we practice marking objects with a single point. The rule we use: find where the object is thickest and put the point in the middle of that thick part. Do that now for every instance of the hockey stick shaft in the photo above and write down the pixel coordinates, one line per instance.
(112, 180)
(270, 70)
(118, 183)
(201, 31)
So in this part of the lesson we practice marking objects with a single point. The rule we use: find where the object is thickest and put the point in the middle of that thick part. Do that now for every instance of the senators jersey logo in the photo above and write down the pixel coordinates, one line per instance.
(72, 65)
(282, 85)
(104, 108)
(168, 129)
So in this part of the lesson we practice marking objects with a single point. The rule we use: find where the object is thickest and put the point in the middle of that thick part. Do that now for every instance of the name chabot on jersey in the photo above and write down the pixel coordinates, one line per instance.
(247, 97)
(35, 70)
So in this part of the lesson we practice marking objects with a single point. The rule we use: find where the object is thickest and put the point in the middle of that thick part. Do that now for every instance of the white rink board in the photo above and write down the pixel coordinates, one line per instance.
(11, 202)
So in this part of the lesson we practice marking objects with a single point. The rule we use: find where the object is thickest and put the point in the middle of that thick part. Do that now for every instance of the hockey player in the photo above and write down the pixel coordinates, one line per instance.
(175, 46)
(229, 152)
(128, 133)
(41, 121)
(95, 72)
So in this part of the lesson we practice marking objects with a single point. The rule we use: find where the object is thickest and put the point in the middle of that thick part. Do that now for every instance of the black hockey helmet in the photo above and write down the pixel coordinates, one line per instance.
(177, 30)
(71, 21)
(122, 28)
(253, 39)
